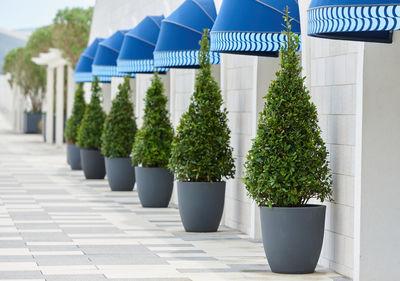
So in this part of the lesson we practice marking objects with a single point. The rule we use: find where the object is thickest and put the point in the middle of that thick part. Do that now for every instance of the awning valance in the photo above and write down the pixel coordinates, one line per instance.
(83, 70)
(136, 55)
(357, 20)
(178, 42)
(105, 62)
(253, 27)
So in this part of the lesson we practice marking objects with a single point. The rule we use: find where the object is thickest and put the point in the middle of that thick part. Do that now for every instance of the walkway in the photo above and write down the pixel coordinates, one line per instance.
(54, 225)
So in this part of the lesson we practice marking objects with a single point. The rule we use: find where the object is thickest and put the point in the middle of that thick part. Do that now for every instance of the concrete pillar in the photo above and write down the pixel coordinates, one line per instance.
(60, 105)
(71, 87)
(377, 213)
(106, 92)
(49, 104)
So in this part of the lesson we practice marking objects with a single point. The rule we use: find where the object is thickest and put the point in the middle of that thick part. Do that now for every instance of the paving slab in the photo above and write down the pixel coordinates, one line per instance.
(56, 226)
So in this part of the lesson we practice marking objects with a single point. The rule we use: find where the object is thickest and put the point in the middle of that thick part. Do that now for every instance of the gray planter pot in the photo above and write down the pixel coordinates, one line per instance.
(154, 186)
(293, 237)
(92, 164)
(74, 156)
(120, 174)
(31, 122)
(201, 205)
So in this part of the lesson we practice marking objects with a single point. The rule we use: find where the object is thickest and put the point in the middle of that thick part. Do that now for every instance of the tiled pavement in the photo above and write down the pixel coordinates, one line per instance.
(54, 225)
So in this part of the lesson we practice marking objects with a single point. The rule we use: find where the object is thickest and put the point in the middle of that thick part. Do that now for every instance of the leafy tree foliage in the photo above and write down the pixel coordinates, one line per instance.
(41, 40)
(91, 128)
(78, 110)
(201, 151)
(287, 164)
(71, 28)
(120, 125)
(152, 146)
(24, 73)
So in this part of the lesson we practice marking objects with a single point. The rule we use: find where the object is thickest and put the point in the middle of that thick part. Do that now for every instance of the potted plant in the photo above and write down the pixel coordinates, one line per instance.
(152, 149)
(287, 166)
(117, 139)
(72, 126)
(201, 155)
(89, 136)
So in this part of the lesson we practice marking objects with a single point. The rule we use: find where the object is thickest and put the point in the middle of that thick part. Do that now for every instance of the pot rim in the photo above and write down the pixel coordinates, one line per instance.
(116, 157)
(307, 206)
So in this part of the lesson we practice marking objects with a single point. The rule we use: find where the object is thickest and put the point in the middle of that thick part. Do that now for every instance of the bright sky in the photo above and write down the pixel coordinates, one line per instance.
(22, 14)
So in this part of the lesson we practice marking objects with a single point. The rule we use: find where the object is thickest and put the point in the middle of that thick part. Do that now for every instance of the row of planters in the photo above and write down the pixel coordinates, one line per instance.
(285, 168)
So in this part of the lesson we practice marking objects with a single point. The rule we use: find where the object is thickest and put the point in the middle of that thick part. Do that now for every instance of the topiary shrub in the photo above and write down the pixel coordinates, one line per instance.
(120, 125)
(201, 150)
(288, 162)
(89, 134)
(152, 146)
(78, 110)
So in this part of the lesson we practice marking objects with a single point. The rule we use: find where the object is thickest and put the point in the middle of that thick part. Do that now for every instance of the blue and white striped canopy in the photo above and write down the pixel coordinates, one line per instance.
(105, 61)
(178, 43)
(253, 27)
(83, 69)
(357, 20)
(136, 55)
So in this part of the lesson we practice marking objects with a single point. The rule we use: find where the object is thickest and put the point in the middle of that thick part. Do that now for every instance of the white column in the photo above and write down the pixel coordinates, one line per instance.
(166, 80)
(49, 104)
(379, 193)
(106, 92)
(60, 105)
(71, 87)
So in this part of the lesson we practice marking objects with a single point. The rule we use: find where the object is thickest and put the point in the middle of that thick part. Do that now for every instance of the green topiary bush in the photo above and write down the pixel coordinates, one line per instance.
(89, 134)
(120, 125)
(152, 146)
(288, 162)
(78, 110)
(201, 151)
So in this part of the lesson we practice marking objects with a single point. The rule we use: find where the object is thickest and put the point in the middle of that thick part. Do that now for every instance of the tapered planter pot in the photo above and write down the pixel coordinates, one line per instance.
(120, 174)
(201, 205)
(154, 186)
(293, 237)
(74, 156)
(92, 164)
(31, 122)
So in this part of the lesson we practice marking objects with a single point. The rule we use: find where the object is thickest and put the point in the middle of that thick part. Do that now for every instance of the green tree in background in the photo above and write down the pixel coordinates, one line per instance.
(24, 73)
(288, 162)
(201, 151)
(152, 146)
(120, 125)
(70, 29)
(78, 110)
(91, 128)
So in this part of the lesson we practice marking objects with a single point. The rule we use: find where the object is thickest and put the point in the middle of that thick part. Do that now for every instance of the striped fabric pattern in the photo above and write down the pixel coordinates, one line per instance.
(353, 19)
(181, 58)
(138, 66)
(246, 42)
(83, 77)
(106, 70)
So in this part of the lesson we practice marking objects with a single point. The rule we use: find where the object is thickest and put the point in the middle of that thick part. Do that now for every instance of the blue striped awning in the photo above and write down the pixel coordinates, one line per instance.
(253, 27)
(178, 43)
(105, 61)
(357, 20)
(83, 69)
(136, 55)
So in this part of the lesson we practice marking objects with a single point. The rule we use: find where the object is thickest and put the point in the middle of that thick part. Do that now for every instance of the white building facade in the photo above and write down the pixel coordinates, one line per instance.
(354, 86)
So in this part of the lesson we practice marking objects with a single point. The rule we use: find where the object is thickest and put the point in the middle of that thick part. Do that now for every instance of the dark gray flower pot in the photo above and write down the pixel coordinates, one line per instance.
(154, 186)
(120, 174)
(293, 237)
(201, 205)
(74, 156)
(92, 164)
(31, 122)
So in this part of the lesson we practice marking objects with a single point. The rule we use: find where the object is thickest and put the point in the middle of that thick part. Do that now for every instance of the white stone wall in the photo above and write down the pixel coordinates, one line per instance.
(333, 79)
